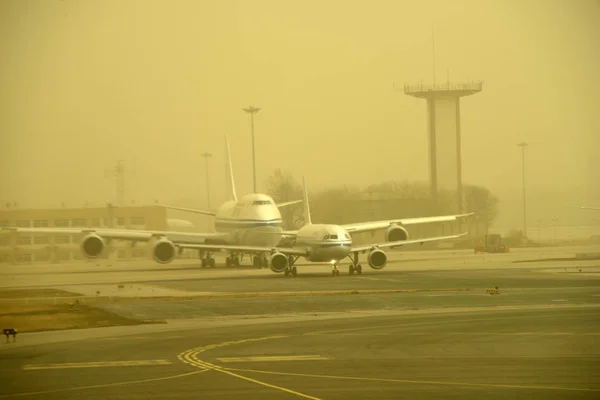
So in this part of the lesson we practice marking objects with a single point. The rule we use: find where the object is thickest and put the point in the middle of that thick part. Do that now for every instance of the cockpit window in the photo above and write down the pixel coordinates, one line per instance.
(260, 202)
(325, 237)
(346, 235)
(333, 236)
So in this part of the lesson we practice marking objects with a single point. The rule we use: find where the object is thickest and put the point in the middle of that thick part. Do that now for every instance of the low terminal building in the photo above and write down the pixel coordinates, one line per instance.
(28, 248)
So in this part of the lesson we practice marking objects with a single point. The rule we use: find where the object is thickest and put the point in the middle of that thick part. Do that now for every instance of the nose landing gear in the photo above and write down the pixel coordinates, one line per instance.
(335, 270)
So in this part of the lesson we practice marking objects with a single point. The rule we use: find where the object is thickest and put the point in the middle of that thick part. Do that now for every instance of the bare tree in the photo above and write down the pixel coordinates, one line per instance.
(282, 187)
(481, 201)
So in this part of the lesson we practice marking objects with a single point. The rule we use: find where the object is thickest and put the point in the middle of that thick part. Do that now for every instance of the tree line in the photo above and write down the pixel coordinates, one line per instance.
(385, 200)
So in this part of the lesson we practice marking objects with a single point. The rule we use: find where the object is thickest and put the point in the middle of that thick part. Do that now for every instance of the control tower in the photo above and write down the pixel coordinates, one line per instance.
(443, 131)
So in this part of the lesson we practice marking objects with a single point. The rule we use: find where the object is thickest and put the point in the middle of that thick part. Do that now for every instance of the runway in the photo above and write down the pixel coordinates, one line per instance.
(435, 333)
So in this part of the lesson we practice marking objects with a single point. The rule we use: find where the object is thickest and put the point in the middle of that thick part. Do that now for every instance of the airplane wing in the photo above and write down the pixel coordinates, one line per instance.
(297, 251)
(123, 234)
(403, 242)
(288, 203)
(192, 210)
(374, 225)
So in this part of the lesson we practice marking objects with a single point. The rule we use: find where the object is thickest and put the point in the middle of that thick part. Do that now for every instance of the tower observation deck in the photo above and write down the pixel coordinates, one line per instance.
(443, 131)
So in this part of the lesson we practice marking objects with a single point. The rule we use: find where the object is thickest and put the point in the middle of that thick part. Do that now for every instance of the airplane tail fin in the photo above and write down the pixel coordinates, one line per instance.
(307, 218)
(231, 183)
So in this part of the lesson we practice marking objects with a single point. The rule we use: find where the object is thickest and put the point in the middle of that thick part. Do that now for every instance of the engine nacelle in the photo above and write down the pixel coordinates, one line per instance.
(377, 259)
(164, 251)
(396, 233)
(279, 262)
(92, 245)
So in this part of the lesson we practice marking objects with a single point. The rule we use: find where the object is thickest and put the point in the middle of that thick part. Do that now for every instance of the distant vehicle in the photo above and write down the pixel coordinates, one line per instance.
(492, 244)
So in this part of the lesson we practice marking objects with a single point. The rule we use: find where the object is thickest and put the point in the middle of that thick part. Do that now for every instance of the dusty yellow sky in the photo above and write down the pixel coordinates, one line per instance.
(156, 83)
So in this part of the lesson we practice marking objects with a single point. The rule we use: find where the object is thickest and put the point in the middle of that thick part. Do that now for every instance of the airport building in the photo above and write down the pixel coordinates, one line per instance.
(29, 248)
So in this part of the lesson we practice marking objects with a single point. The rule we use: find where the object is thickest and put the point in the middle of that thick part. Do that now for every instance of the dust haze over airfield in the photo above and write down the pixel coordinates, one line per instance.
(157, 83)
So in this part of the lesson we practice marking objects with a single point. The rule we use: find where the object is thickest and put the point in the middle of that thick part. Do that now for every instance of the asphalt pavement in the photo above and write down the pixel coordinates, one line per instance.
(422, 329)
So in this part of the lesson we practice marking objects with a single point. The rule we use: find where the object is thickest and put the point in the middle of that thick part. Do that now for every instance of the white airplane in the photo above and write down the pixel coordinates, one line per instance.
(587, 208)
(332, 243)
(252, 220)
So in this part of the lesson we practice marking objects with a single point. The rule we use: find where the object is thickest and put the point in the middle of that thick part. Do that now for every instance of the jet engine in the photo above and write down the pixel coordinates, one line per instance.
(164, 251)
(377, 259)
(395, 233)
(92, 245)
(279, 262)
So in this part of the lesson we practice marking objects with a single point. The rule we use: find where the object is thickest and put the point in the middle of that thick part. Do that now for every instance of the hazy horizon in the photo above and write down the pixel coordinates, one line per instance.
(158, 83)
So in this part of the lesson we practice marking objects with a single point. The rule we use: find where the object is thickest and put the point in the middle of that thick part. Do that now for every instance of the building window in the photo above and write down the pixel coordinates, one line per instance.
(23, 240)
(96, 223)
(138, 220)
(40, 240)
(40, 223)
(78, 222)
(120, 221)
(61, 222)
(23, 224)
(62, 239)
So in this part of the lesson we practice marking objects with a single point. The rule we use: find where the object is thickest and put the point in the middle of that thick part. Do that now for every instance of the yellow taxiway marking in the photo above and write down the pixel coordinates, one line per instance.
(272, 358)
(190, 357)
(98, 364)
(104, 385)
(420, 382)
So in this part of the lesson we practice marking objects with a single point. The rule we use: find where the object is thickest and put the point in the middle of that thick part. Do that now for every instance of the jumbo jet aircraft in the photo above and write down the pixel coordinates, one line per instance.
(588, 208)
(252, 220)
(331, 243)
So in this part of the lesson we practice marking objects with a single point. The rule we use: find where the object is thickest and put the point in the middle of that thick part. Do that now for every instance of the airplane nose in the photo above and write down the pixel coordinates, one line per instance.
(341, 251)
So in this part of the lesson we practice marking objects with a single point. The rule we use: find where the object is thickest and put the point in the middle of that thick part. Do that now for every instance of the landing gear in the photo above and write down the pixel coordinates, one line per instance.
(291, 268)
(257, 261)
(355, 266)
(335, 270)
(208, 262)
(232, 261)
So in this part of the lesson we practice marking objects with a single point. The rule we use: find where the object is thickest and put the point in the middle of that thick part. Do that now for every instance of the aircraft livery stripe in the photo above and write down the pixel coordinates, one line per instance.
(246, 225)
(321, 242)
(220, 219)
(336, 245)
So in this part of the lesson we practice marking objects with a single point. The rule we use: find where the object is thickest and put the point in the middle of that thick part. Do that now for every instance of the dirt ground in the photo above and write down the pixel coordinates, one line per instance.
(37, 318)
(34, 293)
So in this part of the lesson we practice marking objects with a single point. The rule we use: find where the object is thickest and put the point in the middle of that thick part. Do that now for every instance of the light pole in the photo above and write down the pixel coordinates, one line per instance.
(206, 155)
(252, 110)
(522, 145)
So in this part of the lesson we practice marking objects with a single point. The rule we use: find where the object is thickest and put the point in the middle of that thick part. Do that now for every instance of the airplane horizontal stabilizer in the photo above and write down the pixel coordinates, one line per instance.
(192, 210)
(288, 203)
